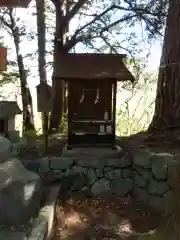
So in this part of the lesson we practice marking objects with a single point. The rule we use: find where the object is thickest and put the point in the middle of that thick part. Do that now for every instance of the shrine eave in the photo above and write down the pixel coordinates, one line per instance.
(92, 66)
(15, 3)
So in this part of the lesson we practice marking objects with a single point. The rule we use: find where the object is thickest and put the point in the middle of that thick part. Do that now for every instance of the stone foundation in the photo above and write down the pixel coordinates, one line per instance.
(99, 170)
(152, 177)
(105, 171)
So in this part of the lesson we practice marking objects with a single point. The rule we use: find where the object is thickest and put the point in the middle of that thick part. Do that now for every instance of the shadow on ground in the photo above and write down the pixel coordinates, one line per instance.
(116, 218)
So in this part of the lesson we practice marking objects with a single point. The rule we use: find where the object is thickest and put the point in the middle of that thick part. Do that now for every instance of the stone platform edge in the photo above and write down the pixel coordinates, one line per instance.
(43, 224)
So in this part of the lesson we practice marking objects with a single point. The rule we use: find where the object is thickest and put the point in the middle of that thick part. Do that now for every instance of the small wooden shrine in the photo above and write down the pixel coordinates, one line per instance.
(92, 85)
(15, 3)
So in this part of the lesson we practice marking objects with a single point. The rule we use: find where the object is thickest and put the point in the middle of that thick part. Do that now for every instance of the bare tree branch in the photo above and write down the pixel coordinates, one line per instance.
(75, 9)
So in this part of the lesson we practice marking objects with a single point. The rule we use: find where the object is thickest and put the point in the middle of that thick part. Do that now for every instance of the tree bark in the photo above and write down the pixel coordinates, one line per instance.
(41, 29)
(167, 105)
(27, 103)
(59, 47)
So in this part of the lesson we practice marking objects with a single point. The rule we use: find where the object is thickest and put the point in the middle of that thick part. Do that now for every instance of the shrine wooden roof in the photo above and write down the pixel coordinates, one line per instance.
(14, 3)
(92, 66)
(9, 109)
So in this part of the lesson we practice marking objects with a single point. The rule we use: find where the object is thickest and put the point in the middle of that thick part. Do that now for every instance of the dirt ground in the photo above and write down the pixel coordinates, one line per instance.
(97, 218)
(163, 141)
(36, 148)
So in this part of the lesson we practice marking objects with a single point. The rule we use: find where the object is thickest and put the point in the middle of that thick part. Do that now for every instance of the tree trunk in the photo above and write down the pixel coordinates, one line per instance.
(41, 29)
(28, 117)
(58, 99)
(167, 106)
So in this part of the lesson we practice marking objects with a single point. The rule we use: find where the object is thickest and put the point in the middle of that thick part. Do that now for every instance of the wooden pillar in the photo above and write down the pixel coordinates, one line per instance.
(114, 110)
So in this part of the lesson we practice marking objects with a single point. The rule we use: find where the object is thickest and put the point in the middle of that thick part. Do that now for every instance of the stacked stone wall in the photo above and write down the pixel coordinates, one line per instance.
(104, 171)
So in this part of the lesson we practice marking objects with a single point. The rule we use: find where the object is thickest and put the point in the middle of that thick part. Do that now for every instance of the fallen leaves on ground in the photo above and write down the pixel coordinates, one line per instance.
(98, 218)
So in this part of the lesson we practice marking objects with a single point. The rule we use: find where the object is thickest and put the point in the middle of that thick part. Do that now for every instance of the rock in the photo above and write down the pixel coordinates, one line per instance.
(118, 162)
(71, 153)
(32, 165)
(79, 182)
(6, 148)
(107, 169)
(121, 186)
(113, 174)
(58, 174)
(99, 173)
(91, 162)
(172, 172)
(54, 176)
(141, 194)
(168, 197)
(101, 186)
(92, 176)
(139, 180)
(77, 169)
(145, 173)
(20, 193)
(142, 159)
(6, 234)
(61, 163)
(40, 229)
(44, 165)
(156, 202)
(157, 188)
(98, 152)
(126, 173)
(160, 164)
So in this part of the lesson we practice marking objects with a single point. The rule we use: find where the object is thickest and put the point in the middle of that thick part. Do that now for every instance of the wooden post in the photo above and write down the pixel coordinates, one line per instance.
(3, 59)
(44, 101)
(114, 109)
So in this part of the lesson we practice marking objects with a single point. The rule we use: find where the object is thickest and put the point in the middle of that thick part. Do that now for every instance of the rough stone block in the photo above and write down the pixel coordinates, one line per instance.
(6, 148)
(7, 234)
(172, 172)
(32, 165)
(101, 186)
(92, 176)
(20, 193)
(39, 230)
(168, 198)
(61, 163)
(160, 162)
(142, 159)
(156, 202)
(127, 173)
(78, 169)
(139, 180)
(44, 165)
(71, 153)
(99, 173)
(121, 186)
(145, 173)
(157, 188)
(107, 169)
(118, 162)
(114, 174)
(79, 182)
(141, 194)
(58, 174)
(91, 162)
